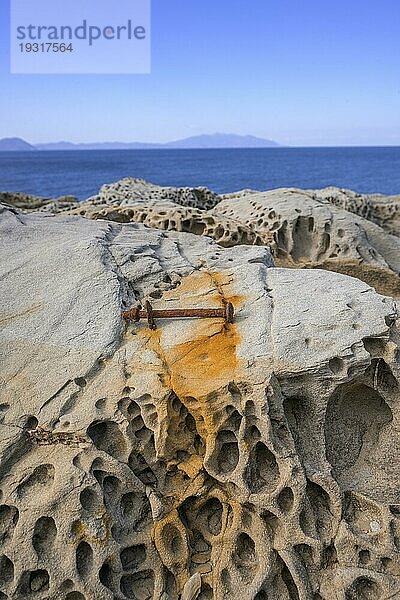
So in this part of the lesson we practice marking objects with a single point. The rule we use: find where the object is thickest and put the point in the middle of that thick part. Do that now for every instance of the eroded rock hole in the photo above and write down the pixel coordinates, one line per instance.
(44, 535)
(375, 346)
(227, 452)
(84, 559)
(363, 588)
(262, 471)
(107, 436)
(74, 596)
(364, 557)
(244, 557)
(336, 365)
(6, 570)
(286, 499)
(211, 515)
(355, 416)
(89, 500)
(234, 420)
(302, 238)
(132, 557)
(382, 376)
(172, 540)
(138, 586)
(30, 422)
(42, 476)
(305, 554)
(234, 392)
(271, 522)
(290, 584)
(66, 585)
(250, 408)
(105, 576)
(302, 422)
(141, 469)
(170, 584)
(111, 490)
(206, 592)
(9, 516)
(321, 507)
(38, 580)
(329, 557)
(136, 510)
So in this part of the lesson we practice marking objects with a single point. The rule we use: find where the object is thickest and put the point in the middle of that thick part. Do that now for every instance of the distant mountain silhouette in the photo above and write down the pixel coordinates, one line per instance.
(15, 145)
(98, 146)
(217, 140)
(223, 140)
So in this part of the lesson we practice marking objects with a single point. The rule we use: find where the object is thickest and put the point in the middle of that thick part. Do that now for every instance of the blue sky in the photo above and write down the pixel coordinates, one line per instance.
(302, 72)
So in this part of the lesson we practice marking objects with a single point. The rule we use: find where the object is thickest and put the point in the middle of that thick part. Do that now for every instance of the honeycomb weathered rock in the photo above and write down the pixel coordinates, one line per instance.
(166, 215)
(128, 190)
(254, 460)
(332, 229)
(380, 209)
(312, 233)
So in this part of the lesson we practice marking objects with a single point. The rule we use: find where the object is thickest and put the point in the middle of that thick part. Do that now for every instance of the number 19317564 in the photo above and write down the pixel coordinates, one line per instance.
(45, 47)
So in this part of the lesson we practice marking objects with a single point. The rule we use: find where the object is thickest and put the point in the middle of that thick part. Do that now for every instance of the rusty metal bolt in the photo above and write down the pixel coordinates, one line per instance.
(135, 313)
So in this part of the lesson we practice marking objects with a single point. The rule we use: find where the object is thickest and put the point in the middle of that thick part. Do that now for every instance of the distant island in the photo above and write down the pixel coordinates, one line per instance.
(15, 145)
(216, 140)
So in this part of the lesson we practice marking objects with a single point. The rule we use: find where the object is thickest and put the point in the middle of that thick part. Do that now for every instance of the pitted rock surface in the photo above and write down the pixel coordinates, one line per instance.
(380, 209)
(309, 232)
(125, 191)
(256, 460)
(166, 215)
(332, 228)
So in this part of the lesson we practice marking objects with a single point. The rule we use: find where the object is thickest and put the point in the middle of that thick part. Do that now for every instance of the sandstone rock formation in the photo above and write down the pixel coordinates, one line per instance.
(28, 202)
(331, 229)
(312, 233)
(165, 214)
(382, 210)
(128, 190)
(257, 460)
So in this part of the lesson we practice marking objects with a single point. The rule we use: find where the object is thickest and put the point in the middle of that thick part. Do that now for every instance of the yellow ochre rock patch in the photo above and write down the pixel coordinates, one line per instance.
(205, 364)
(207, 360)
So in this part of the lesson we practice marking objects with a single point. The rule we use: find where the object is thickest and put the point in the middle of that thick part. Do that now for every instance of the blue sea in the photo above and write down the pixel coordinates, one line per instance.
(80, 173)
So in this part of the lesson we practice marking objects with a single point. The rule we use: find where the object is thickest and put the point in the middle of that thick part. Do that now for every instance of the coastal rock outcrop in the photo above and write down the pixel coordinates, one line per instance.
(169, 216)
(309, 232)
(380, 209)
(201, 460)
(128, 190)
(331, 229)
(29, 203)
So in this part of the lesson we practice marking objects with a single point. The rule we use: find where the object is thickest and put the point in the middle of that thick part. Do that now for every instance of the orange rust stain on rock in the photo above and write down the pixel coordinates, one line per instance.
(199, 366)
(204, 364)
(207, 361)
(221, 280)
(202, 285)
